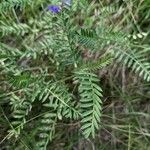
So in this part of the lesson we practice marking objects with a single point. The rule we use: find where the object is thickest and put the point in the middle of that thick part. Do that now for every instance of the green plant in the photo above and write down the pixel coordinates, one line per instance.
(42, 62)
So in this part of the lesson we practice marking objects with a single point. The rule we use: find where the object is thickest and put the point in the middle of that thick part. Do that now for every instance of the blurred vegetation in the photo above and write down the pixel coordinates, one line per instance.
(75, 80)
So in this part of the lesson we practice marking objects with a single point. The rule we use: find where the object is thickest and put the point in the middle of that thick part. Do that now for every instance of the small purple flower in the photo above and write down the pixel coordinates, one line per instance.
(54, 9)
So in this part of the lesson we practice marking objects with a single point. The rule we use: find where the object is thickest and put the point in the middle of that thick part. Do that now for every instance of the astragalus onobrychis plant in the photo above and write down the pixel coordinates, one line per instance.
(48, 72)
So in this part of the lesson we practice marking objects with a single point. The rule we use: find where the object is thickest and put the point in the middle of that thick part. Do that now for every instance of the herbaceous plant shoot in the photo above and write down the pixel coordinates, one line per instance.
(74, 74)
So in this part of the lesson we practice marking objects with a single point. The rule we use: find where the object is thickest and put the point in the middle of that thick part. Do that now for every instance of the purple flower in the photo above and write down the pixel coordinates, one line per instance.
(54, 9)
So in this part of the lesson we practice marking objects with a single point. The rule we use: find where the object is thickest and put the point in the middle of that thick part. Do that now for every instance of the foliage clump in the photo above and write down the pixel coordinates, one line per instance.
(50, 56)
